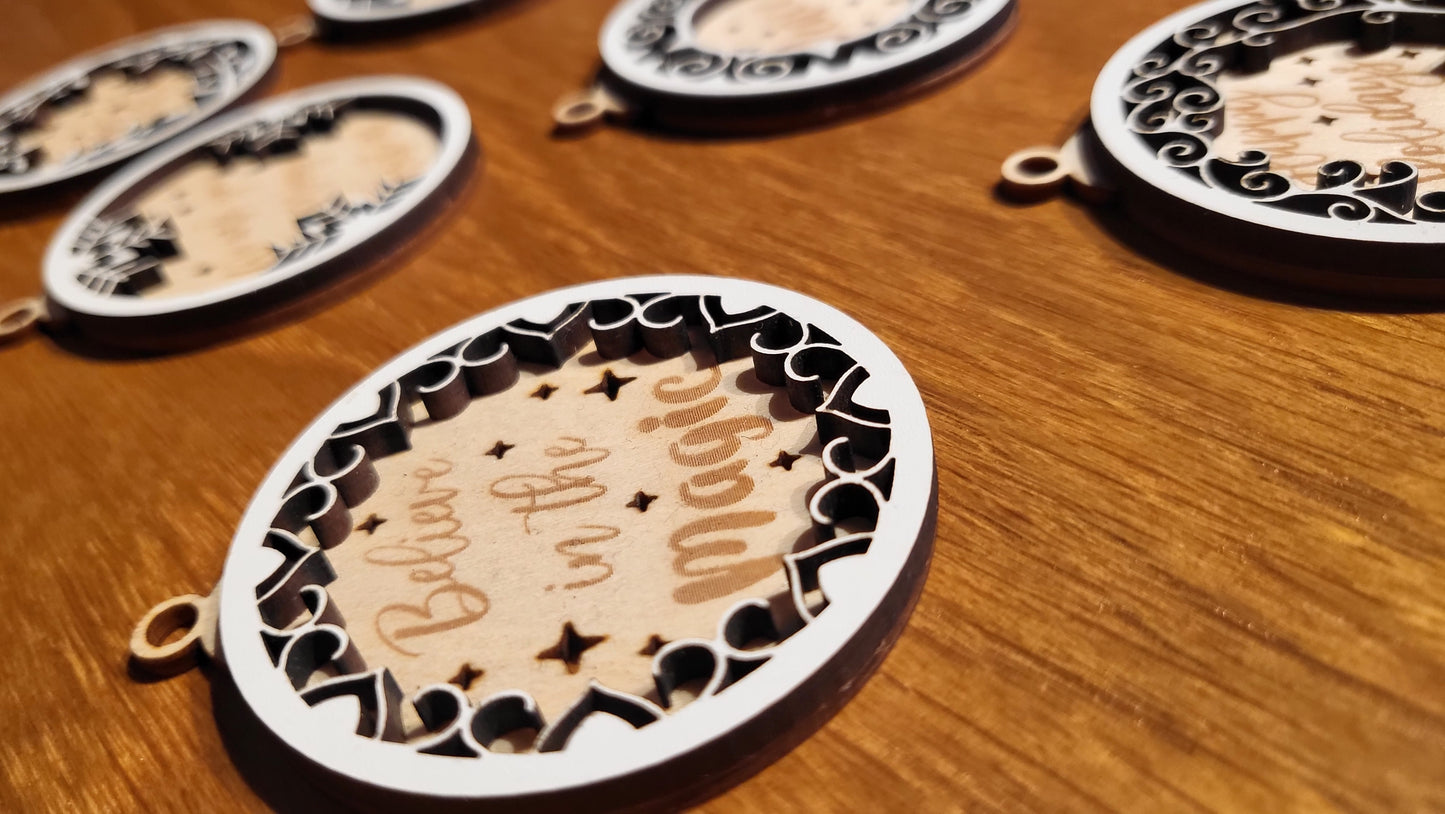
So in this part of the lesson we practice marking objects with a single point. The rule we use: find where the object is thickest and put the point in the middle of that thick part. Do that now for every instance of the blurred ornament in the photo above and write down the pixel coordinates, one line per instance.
(761, 65)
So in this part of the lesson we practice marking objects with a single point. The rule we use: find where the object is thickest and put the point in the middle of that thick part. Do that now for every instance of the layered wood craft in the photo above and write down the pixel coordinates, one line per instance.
(103, 108)
(242, 214)
(609, 544)
(749, 65)
(1299, 138)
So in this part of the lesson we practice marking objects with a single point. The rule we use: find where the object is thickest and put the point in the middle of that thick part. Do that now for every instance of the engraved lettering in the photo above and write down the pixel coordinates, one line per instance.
(555, 489)
(718, 579)
(1282, 123)
(428, 556)
(561, 488)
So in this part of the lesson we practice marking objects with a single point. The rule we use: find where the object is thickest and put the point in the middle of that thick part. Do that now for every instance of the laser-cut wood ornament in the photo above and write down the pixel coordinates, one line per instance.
(239, 216)
(108, 106)
(1300, 139)
(606, 546)
(758, 65)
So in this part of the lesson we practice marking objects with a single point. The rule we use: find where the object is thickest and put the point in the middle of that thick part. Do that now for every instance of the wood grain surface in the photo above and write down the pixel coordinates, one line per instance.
(1190, 548)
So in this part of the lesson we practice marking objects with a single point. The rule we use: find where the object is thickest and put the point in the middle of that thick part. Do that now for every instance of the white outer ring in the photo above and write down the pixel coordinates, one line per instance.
(624, 62)
(344, 12)
(398, 766)
(1107, 114)
(254, 36)
(61, 265)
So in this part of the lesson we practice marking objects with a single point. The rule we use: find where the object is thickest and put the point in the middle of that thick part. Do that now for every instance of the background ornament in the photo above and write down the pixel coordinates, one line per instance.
(1297, 138)
(234, 218)
(749, 65)
(108, 106)
(424, 618)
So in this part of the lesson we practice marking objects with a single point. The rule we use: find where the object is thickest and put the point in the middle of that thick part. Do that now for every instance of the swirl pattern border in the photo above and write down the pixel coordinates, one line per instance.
(1173, 104)
(654, 35)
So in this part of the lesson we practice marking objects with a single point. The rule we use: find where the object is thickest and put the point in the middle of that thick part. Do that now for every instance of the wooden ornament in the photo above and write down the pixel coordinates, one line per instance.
(607, 546)
(757, 65)
(1301, 139)
(108, 106)
(243, 213)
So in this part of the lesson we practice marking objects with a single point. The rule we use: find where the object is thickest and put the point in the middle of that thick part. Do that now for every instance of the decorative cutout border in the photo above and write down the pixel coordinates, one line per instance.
(655, 35)
(650, 44)
(302, 630)
(1173, 104)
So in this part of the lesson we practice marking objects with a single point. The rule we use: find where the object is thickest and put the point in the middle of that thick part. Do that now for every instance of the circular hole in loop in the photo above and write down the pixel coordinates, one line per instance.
(580, 110)
(1034, 174)
(172, 625)
(168, 638)
(1039, 165)
(21, 315)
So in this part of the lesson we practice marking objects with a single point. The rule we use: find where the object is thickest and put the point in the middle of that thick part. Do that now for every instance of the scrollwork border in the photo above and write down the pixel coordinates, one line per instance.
(1172, 103)
(655, 34)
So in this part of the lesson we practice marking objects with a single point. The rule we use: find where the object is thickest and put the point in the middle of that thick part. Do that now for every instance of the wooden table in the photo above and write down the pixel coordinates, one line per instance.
(1190, 546)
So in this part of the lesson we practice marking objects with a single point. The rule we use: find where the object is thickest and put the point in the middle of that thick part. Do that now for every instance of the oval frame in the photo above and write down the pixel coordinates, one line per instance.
(1315, 238)
(60, 270)
(636, 34)
(803, 664)
(255, 36)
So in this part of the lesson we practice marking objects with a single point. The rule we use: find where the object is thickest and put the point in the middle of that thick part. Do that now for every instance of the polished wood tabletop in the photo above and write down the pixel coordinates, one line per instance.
(1191, 539)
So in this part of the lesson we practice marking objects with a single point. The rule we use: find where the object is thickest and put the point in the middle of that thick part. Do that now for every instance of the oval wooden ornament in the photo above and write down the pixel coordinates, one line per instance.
(245, 212)
(755, 65)
(1294, 138)
(105, 107)
(611, 545)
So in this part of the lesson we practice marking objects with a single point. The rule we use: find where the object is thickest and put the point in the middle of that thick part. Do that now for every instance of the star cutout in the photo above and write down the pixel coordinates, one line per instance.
(641, 501)
(544, 392)
(1408, 54)
(1310, 81)
(500, 450)
(610, 384)
(370, 525)
(1306, 60)
(654, 644)
(1326, 120)
(466, 677)
(785, 460)
(570, 647)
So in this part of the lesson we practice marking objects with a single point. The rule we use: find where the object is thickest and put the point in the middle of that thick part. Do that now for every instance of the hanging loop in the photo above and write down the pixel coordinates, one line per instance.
(294, 31)
(195, 615)
(19, 316)
(1042, 172)
(587, 108)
